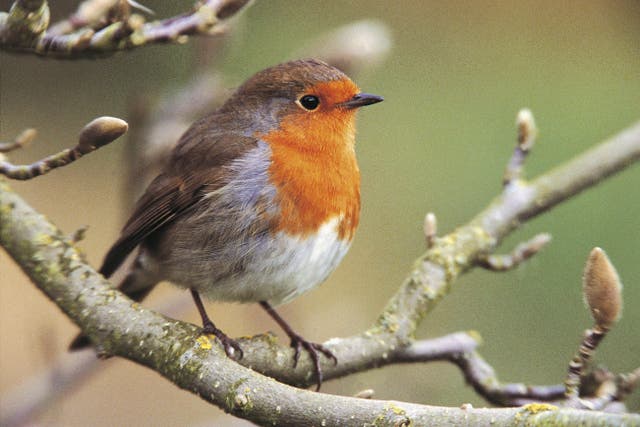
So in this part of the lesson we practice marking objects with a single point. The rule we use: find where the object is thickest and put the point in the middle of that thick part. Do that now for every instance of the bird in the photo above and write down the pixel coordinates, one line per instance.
(259, 201)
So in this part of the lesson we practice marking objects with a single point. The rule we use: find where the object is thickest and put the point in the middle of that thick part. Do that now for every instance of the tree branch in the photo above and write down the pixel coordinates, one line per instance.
(102, 28)
(18, 406)
(521, 253)
(482, 377)
(172, 349)
(175, 350)
(22, 140)
(97, 133)
(452, 255)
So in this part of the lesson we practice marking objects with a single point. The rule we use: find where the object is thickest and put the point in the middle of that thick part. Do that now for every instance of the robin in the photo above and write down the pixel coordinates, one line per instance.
(259, 201)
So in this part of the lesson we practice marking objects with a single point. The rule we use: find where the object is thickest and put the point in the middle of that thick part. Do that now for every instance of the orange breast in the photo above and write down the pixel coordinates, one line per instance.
(315, 172)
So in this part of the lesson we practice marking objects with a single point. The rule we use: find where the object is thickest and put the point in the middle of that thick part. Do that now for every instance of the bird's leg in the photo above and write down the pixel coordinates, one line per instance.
(231, 347)
(297, 342)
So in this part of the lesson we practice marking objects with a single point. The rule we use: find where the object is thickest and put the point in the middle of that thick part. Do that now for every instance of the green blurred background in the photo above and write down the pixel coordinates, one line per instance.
(457, 74)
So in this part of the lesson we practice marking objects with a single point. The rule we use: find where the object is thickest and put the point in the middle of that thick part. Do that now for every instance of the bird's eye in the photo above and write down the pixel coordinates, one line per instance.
(309, 102)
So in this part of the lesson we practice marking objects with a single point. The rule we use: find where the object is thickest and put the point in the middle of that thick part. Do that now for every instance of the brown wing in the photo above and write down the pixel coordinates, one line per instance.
(164, 199)
(196, 165)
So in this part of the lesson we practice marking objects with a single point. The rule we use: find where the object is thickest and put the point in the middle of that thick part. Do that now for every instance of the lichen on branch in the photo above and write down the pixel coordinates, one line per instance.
(123, 328)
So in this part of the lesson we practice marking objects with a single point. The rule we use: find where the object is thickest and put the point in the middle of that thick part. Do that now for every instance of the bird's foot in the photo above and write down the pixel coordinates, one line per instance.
(231, 346)
(298, 343)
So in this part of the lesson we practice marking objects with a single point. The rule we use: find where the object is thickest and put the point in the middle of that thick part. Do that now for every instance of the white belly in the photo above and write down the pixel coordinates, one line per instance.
(284, 269)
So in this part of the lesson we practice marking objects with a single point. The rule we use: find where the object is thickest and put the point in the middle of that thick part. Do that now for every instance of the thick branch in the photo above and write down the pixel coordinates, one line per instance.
(43, 389)
(172, 348)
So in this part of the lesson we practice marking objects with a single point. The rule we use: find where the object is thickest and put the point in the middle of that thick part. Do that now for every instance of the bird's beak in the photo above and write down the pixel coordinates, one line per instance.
(360, 100)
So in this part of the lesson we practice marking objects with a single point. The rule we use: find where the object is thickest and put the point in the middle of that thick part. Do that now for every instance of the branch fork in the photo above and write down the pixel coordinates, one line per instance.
(170, 347)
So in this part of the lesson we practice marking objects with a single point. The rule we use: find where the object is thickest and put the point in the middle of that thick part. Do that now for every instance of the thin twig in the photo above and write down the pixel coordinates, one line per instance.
(430, 229)
(521, 253)
(22, 140)
(482, 377)
(98, 133)
(527, 133)
(581, 360)
(92, 14)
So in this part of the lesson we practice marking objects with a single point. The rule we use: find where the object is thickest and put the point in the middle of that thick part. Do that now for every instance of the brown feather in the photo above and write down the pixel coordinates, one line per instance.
(174, 192)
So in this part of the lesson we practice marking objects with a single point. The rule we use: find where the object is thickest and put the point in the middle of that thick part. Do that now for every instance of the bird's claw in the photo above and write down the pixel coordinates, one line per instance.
(231, 346)
(297, 342)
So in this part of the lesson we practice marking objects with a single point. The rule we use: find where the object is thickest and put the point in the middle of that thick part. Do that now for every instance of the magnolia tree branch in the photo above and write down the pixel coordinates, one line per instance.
(521, 253)
(96, 134)
(176, 351)
(34, 395)
(454, 254)
(482, 377)
(103, 27)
